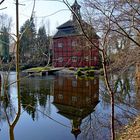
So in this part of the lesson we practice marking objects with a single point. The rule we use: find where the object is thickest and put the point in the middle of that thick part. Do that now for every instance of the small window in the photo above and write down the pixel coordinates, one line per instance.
(60, 45)
(74, 83)
(60, 59)
(88, 99)
(74, 99)
(86, 58)
(74, 59)
(74, 43)
(60, 96)
(87, 83)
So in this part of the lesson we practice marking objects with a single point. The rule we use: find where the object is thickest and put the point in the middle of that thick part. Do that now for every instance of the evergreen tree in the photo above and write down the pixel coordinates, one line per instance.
(42, 39)
(4, 40)
(42, 47)
(42, 32)
(28, 34)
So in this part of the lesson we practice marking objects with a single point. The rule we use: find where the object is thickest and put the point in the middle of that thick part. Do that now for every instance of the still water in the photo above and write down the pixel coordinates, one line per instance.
(66, 108)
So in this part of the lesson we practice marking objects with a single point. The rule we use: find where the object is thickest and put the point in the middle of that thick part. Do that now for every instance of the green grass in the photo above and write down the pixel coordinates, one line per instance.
(88, 71)
(39, 69)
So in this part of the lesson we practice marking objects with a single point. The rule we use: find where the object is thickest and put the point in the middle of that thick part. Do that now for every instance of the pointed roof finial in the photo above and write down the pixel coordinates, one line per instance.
(76, 8)
(75, 4)
(76, 132)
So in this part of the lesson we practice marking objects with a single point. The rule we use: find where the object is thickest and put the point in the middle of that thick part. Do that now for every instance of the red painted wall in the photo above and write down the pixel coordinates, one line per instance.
(74, 46)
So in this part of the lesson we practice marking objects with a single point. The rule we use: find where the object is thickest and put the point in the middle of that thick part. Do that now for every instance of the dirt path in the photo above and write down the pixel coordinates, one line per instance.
(132, 131)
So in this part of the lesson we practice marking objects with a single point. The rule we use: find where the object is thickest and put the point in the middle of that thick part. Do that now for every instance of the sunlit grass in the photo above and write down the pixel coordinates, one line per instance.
(39, 69)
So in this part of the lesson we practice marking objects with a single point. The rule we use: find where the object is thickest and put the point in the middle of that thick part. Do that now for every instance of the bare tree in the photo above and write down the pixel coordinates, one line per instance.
(112, 20)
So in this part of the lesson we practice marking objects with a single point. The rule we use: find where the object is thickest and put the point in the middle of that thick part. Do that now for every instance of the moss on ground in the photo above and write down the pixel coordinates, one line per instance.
(39, 69)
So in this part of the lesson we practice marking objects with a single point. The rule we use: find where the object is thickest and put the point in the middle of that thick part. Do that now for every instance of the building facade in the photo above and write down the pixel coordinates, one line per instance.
(70, 46)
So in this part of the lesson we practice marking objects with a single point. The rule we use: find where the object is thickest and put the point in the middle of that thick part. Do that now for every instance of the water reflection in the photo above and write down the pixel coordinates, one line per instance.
(6, 104)
(7, 115)
(35, 92)
(8, 112)
(126, 98)
(51, 103)
(75, 99)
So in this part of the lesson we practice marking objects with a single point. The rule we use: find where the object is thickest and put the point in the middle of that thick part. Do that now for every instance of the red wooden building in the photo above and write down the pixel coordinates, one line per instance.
(70, 47)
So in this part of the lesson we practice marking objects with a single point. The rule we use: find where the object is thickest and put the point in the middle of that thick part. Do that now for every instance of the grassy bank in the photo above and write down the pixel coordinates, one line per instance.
(38, 69)
(131, 131)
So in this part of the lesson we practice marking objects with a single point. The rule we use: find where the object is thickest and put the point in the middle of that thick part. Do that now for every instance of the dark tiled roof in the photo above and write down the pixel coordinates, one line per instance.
(67, 24)
(64, 33)
(71, 28)
(67, 29)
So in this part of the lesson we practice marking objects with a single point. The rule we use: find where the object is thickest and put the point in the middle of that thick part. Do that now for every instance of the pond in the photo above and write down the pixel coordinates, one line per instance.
(66, 107)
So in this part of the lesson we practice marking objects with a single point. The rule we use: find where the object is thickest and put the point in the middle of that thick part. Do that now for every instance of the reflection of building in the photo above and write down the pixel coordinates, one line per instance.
(75, 99)
(70, 47)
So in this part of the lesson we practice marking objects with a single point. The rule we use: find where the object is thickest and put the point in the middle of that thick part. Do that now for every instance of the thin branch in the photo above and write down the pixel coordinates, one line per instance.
(49, 14)
(1, 1)
(3, 8)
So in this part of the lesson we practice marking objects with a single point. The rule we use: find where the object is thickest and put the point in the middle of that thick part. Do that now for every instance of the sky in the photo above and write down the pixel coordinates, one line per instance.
(46, 11)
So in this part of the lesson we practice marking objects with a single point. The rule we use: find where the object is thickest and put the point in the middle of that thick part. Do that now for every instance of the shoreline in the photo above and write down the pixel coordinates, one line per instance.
(130, 131)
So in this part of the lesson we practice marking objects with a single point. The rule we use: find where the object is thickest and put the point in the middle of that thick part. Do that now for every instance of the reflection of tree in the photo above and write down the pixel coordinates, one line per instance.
(125, 101)
(6, 105)
(33, 93)
(29, 99)
(5, 102)
(10, 115)
(123, 88)
(8, 112)
(96, 126)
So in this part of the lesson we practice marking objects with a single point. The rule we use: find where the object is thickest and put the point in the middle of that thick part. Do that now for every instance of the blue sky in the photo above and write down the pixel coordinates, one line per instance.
(43, 9)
